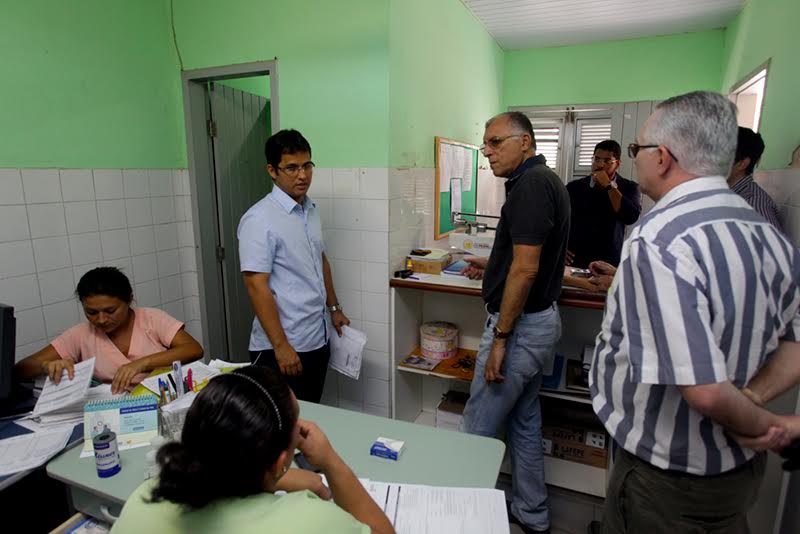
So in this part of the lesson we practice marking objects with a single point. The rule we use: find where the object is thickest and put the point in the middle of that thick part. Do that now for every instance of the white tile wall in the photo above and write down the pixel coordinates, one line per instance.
(354, 208)
(57, 224)
(11, 186)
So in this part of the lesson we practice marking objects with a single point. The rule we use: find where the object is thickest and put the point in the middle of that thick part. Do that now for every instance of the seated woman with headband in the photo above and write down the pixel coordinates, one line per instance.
(237, 445)
(126, 342)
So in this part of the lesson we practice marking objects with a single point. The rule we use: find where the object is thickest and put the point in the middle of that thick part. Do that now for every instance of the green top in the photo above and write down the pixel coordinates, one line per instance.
(301, 512)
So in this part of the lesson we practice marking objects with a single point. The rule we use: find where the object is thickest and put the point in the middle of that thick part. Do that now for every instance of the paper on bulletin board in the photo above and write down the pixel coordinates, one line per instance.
(445, 167)
(455, 162)
(465, 161)
(455, 195)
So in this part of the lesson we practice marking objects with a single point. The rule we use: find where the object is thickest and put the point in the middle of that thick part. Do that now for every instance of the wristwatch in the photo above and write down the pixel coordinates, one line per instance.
(611, 185)
(499, 334)
(335, 308)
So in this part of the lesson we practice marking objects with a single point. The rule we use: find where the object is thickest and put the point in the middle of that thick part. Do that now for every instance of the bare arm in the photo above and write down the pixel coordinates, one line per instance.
(778, 375)
(330, 292)
(266, 309)
(348, 493)
(521, 275)
(183, 348)
(338, 318)
(36, 364)
(730, 408)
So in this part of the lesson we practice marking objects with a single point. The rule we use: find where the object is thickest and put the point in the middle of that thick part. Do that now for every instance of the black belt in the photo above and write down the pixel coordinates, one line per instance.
(533, 309)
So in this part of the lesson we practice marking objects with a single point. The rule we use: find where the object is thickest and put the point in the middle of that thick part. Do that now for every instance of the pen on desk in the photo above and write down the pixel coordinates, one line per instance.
(172, 381)
(177, 369)
(413, 278)
(189, 380)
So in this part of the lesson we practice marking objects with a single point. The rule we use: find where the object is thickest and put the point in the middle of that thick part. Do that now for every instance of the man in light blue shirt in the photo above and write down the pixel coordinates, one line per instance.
(286, 272)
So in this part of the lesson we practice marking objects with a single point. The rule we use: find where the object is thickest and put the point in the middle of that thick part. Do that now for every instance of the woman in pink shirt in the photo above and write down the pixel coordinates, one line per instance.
(126, 342)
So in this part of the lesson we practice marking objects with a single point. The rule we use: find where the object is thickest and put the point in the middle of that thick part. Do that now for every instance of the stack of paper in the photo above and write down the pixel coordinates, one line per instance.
(414, 509)
(63, 403)
(346, 351)
(31, 450)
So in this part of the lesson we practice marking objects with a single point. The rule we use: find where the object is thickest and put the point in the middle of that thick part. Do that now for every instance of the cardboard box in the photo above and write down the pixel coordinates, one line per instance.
(451, 410)
(576, 443)
(578, 452)
(434, 266)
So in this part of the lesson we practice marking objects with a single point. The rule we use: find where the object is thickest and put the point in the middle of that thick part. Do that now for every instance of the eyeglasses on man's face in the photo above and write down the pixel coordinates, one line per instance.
(604, 161)
(294, 170)
(634, 148)
(495, 142)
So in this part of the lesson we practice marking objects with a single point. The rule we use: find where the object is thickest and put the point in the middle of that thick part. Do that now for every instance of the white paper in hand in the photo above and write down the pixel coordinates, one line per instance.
(346, 351)
(67, 393)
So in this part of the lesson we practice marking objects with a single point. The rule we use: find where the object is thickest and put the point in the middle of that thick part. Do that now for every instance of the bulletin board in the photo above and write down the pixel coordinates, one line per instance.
(457, 161)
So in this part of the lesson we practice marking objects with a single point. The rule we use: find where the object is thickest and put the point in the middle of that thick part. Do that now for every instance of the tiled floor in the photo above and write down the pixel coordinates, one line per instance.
(570, 512)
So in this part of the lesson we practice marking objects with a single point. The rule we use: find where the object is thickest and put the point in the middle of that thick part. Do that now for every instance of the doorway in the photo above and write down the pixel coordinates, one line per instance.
(229, 113)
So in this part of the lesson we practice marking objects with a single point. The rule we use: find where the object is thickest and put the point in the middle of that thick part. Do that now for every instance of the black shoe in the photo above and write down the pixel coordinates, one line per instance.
(514, 520)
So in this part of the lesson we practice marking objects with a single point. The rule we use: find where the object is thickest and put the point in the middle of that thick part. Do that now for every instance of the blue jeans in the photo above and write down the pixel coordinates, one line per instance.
(515, 402)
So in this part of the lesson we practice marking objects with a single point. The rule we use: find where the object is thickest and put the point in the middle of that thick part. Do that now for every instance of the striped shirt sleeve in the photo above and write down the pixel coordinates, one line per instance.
(666, 304)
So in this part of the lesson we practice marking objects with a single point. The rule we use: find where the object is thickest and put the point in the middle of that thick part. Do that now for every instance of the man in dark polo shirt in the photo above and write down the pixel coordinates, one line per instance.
(521, 283)
(602, 204)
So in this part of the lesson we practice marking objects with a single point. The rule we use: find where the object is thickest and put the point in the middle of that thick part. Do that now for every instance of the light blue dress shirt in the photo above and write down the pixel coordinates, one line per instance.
(282, 238)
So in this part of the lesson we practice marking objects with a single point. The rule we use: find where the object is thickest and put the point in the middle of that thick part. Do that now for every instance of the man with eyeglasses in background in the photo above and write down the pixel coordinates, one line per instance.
(603, 203)
(521, 283)
(286, 273)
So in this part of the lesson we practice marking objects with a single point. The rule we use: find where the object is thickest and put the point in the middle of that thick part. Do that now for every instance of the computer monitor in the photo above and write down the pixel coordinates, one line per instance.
(8, 338)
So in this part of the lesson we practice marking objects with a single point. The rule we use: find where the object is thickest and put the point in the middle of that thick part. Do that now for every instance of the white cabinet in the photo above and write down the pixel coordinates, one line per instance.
(415, 394)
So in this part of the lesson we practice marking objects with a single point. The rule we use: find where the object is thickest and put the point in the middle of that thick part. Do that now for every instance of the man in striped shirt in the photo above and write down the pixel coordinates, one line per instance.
(749, 148)
(706, 294)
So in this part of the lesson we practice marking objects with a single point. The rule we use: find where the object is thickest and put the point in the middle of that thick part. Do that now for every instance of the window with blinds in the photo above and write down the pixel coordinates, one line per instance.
(566, 135)
(589, 133)
(548, 140)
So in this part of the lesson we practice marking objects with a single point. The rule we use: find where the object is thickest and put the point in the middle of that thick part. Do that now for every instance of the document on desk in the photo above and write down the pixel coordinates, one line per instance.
(433, 510)
(31, 450)
(67, 393)
(347, 351)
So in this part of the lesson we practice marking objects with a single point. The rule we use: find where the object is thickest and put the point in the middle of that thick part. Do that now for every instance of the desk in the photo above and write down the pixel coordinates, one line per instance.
(476, 463)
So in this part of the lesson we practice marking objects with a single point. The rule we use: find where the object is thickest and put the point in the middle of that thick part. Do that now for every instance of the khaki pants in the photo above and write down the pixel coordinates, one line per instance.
(644, 499)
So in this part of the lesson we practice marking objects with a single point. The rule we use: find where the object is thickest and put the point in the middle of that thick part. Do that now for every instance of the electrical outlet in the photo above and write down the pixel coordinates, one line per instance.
(547, 446)
(596, 439)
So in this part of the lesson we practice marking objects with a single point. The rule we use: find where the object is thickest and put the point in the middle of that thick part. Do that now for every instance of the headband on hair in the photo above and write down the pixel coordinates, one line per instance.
(262, 388)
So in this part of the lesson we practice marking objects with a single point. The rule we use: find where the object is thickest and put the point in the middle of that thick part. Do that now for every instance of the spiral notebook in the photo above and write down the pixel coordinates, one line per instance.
(134, 419)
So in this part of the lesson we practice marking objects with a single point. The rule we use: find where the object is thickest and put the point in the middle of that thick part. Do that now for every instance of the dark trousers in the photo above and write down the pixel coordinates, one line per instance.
(643, 498)
(308, 385)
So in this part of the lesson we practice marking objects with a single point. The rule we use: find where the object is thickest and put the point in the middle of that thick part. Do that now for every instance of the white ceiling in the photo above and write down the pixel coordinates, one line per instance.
(518, 24)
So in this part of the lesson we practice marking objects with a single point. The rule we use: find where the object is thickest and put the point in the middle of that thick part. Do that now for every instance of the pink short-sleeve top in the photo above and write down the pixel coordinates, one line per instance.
(153, 332)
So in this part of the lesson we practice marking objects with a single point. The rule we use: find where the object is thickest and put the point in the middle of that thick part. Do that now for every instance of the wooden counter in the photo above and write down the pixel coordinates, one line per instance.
(574, 297)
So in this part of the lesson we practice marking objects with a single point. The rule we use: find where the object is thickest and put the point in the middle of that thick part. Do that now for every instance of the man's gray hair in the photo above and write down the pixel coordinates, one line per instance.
(519, 121)
(700, 130)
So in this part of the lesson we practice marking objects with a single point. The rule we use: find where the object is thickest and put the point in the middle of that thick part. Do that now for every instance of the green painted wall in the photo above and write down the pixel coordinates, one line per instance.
(618, 71)
(446, 75)
(89, 83)
(767, 29)
(333, 76)
(255, 85)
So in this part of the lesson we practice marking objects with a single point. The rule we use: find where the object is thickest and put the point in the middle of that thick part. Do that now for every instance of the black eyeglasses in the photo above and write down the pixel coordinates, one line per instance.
(604, 161)
(495, 142)
(293, 170)
(634, 148)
